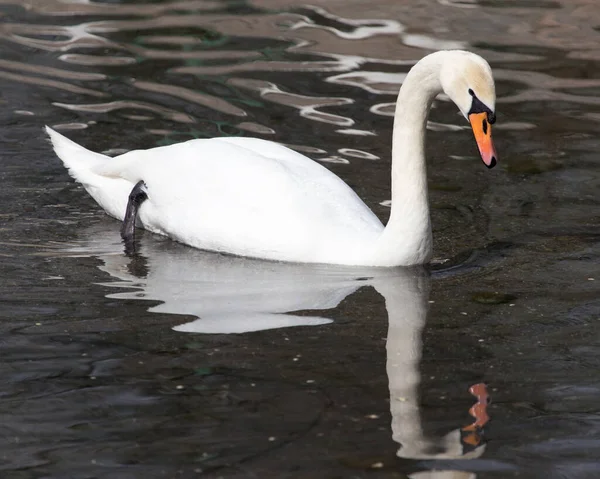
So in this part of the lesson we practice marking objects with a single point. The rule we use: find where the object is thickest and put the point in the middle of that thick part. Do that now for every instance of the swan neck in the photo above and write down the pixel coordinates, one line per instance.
(407, 235)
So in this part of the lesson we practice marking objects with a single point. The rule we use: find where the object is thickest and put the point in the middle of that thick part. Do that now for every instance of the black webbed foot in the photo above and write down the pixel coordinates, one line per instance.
(137, 196)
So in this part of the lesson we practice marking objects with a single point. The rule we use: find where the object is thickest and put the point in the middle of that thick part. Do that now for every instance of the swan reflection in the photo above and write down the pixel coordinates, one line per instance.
(406, 301)
(235, 295)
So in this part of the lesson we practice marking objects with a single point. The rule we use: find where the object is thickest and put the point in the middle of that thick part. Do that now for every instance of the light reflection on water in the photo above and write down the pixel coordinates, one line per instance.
(210, 59)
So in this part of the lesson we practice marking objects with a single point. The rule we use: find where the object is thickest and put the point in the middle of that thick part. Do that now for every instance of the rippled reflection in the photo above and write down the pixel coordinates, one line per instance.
(406, 303)
(203, 71)
(228, 294)
(237, 295)
(201, 39)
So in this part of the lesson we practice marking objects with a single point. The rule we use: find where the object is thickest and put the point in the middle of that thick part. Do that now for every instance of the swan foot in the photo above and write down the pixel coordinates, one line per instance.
(137, 196)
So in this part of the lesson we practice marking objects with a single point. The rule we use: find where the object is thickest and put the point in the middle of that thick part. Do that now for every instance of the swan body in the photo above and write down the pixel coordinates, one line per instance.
(256, 198)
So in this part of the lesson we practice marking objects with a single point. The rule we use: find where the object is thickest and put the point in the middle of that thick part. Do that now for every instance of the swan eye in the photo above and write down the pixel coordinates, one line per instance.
(471, 92)
(477, 106)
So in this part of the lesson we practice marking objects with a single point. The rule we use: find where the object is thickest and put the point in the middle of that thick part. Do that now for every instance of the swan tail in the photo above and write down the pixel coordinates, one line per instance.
(80, 162)
(108, 188)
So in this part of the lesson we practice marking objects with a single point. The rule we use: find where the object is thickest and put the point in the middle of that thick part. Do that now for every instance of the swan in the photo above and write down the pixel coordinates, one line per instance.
(256, 198)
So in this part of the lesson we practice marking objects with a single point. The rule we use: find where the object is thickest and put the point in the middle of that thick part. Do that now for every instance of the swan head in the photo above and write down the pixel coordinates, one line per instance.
(467, 79)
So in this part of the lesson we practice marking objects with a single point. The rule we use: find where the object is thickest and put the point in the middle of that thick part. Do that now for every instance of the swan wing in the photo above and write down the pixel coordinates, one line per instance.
(248, 197)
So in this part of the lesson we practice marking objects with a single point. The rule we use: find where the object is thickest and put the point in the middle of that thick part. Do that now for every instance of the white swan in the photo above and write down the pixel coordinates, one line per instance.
(256, 198)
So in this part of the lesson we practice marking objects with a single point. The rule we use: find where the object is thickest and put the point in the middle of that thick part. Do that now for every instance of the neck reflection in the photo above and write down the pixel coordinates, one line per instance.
(407, 306)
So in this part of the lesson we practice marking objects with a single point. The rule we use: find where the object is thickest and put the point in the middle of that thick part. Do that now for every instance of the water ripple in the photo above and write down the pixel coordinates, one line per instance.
(321, 79)
(123, 104)
(307, 105)
(213, 102)
(58, 85)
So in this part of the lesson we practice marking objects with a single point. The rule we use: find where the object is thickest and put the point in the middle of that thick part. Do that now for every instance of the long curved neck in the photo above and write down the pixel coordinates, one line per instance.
(407, 236)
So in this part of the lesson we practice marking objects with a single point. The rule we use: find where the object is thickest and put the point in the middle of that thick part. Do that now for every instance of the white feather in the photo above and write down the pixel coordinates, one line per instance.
(257, 198)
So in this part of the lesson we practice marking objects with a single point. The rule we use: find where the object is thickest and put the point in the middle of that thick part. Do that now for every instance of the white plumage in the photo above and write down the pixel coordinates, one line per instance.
(257, 198)
(242, 196)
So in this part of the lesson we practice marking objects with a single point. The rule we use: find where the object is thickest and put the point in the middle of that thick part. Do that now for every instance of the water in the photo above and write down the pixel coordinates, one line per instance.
(107, 370)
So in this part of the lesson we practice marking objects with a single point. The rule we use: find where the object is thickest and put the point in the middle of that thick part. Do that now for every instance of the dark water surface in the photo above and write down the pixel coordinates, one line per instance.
(114, 367)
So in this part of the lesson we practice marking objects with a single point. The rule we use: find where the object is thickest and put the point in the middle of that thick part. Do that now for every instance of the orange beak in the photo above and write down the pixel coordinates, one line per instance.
(483, 135)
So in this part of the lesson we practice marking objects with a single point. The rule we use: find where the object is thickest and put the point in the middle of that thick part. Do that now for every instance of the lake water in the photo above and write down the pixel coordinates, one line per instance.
(182, 363)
